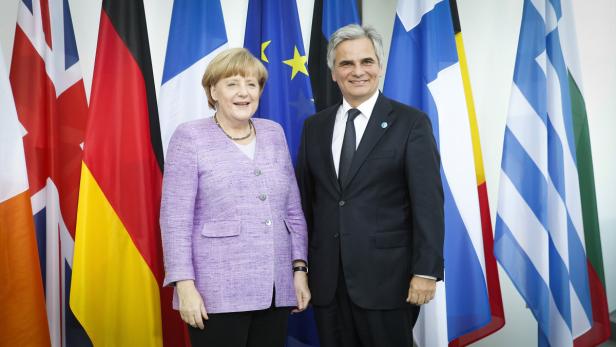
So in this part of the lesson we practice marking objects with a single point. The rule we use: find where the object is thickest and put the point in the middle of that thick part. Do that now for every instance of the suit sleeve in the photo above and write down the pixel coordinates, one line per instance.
(295, 221)
(180, 184)
(422, 166)
(304, 179)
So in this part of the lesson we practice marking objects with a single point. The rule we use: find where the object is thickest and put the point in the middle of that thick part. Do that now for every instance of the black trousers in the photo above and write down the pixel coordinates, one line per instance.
(243, 329)
(344, 324)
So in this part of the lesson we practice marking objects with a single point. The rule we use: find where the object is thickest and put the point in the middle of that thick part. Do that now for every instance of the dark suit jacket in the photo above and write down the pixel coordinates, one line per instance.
(386, 222)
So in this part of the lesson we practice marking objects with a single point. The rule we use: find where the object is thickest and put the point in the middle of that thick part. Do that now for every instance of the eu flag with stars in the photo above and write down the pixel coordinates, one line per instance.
(273, 35)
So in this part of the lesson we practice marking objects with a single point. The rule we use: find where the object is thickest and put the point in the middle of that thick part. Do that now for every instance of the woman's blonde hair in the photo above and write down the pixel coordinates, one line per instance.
(232, 62)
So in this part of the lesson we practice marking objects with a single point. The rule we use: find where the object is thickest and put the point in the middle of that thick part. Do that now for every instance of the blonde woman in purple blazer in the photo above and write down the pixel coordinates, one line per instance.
(234, 235)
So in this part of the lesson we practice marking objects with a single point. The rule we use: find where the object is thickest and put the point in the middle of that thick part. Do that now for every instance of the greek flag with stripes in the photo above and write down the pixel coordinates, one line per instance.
(539, 230)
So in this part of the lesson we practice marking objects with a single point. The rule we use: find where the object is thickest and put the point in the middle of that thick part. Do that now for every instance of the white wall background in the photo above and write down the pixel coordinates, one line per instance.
(490, 29)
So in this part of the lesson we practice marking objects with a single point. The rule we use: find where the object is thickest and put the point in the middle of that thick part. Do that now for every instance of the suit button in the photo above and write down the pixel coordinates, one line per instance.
(268, 222)
(262, 197)
(341, 203)
(257, 172)
(336, 235)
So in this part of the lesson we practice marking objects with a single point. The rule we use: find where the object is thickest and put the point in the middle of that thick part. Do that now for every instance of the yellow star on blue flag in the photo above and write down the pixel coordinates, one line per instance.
(263, 47)
(273, 35)
(298, 63)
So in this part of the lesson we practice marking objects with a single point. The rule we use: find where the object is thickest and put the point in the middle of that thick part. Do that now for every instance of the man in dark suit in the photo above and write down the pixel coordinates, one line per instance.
(369, 175)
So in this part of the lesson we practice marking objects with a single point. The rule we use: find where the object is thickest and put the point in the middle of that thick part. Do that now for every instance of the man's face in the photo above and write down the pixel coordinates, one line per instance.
(356, 70)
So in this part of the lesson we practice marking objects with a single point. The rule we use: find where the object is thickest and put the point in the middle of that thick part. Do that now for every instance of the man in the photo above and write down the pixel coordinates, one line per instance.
(373, 200)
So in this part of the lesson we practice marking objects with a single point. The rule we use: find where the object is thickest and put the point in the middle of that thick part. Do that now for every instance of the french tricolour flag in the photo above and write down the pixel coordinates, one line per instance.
(196, 34)
(51, 105)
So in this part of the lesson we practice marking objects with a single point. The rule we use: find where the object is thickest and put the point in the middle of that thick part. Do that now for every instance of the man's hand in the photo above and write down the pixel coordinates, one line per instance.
(192, 309)
(421, 290)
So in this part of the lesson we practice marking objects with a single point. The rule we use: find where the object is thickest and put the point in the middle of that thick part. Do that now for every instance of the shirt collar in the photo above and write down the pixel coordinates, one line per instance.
(365, 107)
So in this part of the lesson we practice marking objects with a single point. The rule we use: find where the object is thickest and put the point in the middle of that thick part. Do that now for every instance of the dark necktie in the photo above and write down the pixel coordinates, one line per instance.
(348, 146)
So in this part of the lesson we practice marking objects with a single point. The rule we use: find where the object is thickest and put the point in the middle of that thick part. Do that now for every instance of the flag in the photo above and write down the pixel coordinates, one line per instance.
(51, 104)
(491, 269)
(600, 330)
(425, 71)
(328, 16)
(22, 300)
(546, 235)
(273, 35)
(196, 35)
(117, 268)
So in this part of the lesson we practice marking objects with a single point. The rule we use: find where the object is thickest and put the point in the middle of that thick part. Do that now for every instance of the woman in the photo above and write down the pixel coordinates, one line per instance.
(234, 235)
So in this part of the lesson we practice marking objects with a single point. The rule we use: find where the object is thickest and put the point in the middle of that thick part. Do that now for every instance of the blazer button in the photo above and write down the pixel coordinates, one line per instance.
(336, 235)
(268, 222)
(257, 172)
(341, 203)
(262, 197)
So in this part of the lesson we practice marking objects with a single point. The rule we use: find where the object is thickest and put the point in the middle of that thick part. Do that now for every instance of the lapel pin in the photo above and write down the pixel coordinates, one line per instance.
(384, 125)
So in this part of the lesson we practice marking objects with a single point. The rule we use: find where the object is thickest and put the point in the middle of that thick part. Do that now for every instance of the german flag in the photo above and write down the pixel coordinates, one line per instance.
(117, 268)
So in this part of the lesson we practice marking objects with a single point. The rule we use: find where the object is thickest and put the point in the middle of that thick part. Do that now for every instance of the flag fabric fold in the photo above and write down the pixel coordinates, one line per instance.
(425, 71)
(273, 35)
(546, 234)
(22, 299)
(196, 35)
(51, 104)
(116, 290)
(328, 16)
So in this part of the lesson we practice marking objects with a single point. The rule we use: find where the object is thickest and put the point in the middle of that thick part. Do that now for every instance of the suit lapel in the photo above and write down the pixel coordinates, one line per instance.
(378, 124)
(327, 128)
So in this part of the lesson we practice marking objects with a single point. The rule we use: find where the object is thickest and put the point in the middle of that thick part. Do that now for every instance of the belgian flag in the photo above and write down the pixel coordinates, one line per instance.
(497, 312)
(117, 268)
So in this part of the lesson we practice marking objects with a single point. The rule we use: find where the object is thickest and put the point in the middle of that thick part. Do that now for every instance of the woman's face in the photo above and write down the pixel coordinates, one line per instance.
(237, 97)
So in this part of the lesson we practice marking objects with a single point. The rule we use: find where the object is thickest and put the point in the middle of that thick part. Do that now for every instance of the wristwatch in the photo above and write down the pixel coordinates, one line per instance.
(300, 268)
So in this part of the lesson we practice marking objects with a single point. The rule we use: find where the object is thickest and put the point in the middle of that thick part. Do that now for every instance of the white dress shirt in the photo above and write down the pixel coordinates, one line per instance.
(360, 122)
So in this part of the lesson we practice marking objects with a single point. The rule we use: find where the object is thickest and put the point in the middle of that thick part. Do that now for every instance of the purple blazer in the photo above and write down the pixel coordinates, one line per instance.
(231, 224)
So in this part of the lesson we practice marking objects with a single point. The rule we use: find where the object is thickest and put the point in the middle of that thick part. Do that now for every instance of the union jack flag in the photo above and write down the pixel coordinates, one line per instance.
(51, 105)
